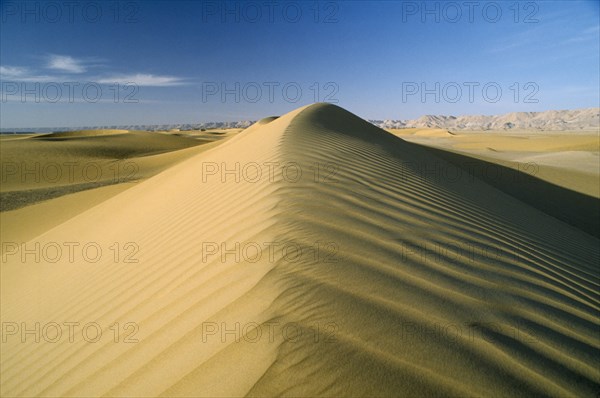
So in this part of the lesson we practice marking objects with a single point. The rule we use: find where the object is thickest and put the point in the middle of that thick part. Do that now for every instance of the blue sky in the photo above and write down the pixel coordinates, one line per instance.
(151, 62)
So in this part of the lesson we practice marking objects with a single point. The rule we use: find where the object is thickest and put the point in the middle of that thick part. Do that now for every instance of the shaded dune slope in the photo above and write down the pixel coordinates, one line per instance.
(575, 208)
(404, 285)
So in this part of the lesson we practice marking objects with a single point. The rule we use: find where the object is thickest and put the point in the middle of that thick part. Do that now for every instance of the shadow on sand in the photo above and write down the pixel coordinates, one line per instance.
(577, 209)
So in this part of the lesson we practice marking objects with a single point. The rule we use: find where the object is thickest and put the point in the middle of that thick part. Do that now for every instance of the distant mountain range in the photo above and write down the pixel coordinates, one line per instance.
(580, 119)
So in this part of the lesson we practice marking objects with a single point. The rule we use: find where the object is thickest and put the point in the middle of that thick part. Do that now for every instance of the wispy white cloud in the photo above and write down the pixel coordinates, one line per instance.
(142, 79)
(533, 35)
(65, 63)
(545, 38)
(23, 74)
(586, 35)
(508, 47)
(69, 69)
(12, 71)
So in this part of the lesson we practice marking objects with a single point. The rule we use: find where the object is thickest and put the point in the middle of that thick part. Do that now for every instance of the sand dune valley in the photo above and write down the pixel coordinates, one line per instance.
(311, 254)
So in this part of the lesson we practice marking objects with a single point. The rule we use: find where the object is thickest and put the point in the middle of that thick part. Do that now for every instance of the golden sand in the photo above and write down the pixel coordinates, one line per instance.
(310, 255)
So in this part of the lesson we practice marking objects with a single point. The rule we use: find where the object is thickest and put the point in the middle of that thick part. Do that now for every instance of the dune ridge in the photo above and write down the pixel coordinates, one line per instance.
(412, 284)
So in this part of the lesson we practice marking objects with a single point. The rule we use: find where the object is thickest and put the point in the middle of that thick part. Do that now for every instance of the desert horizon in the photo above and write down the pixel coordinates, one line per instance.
(292, 241)
(585, 120)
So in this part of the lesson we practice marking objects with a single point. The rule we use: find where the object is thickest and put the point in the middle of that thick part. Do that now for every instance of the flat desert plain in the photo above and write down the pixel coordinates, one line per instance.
(312, 254)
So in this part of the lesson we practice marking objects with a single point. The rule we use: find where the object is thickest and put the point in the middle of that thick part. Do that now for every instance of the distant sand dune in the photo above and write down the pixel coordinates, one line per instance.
(46, 166)
(568, 159)
(422, 285)
(85, 133)
(91, 170)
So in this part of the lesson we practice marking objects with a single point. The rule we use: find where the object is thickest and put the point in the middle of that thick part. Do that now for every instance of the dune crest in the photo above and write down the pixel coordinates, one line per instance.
(401, 275)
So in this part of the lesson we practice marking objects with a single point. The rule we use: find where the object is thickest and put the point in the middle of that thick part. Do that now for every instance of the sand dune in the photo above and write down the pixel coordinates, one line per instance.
(85, 133)
(39, 161)
(47, 181)
(568, 159)
(313, 255)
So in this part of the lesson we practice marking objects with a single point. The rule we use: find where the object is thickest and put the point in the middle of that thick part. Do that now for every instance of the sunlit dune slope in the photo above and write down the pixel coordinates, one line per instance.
(315, 255)
(47, 179)
(43, 167)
